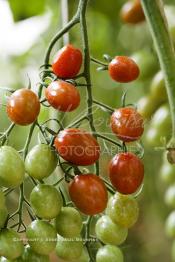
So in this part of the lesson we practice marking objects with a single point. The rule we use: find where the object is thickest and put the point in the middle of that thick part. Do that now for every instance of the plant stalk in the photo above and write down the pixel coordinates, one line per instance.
(154, 13)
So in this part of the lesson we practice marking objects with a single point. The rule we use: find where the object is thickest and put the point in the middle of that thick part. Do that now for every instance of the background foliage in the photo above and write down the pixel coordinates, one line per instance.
(147, 241)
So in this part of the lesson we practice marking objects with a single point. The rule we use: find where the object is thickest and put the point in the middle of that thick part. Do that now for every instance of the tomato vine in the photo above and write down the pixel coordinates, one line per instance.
(126, 124)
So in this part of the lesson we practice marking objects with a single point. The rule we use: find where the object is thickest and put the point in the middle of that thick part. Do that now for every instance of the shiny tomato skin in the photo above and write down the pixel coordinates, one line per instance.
(29, 256)
(23, 107)
(88, 193)
(11, 246)
(109, 253)
(132, 12)
(123, 210)
(12, 170)
(109, 232)
(38, 155)
(69, 250)
(126, 172)
(67, 62)
(62, 96)
(46, 201)
(123, 69)
(69, 222)
(41, 237)
(127, 124)
(77, 146)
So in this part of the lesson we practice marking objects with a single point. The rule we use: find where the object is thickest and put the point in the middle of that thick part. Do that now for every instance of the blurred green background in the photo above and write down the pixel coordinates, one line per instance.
(26, 29)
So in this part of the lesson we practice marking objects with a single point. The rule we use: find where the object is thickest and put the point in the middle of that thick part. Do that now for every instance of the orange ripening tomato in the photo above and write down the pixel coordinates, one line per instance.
(123, 69)
(62, 96)
(77, 146)
(89, 194)
(127, 124)
(132, 12)
(23, 107)
(126, 172)
(67, 62)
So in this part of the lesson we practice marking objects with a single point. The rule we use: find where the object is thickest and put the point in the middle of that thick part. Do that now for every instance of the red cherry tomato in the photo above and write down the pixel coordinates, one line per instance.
(126, 172)
(67, 62)
(132, 12)
(127, 124)
(23, 107)
(123, 69)
(62, 96)
(89, 194)
(77, 147)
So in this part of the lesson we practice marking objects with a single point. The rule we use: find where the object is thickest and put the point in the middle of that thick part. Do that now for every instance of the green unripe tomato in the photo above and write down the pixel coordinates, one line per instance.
(41, 161)
(109, 253)
(83, 258)
(41, 237)
(167, 173)
(69, 249)
(157, 88)
(155, 138)
(109, 232)
(148, 63)
(160, 127)
(170, 196)
(161, 119)
(11, 246)
(69, 222)
(12, 169)
(3, 216)
(146, 106)
(123, 210)
(46, 201)
(29, 255)
(170, 225)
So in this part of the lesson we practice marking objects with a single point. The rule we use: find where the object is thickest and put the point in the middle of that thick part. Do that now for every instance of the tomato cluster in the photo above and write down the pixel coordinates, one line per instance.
(77, 148)
(59, 224)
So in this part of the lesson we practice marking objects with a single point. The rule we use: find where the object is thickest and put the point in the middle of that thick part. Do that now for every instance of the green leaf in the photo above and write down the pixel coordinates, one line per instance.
(24, 9)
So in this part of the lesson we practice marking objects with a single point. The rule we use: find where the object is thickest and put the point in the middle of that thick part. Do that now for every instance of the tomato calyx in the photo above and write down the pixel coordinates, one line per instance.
(171, 155)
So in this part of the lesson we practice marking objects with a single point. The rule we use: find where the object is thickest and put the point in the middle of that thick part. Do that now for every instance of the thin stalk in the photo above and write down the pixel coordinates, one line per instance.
(156, 19)
(110, 109)
(87, 76)
(65, 18)
(109, 140)
(96, 61)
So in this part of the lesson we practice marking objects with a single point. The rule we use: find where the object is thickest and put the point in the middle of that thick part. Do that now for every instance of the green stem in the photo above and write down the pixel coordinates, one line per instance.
(26, 147)
(65, 29)
(83, 6)
(109, 140)
(87, 237)
(110, 109)
(96, 61)
(158, 27)
(5, 136)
